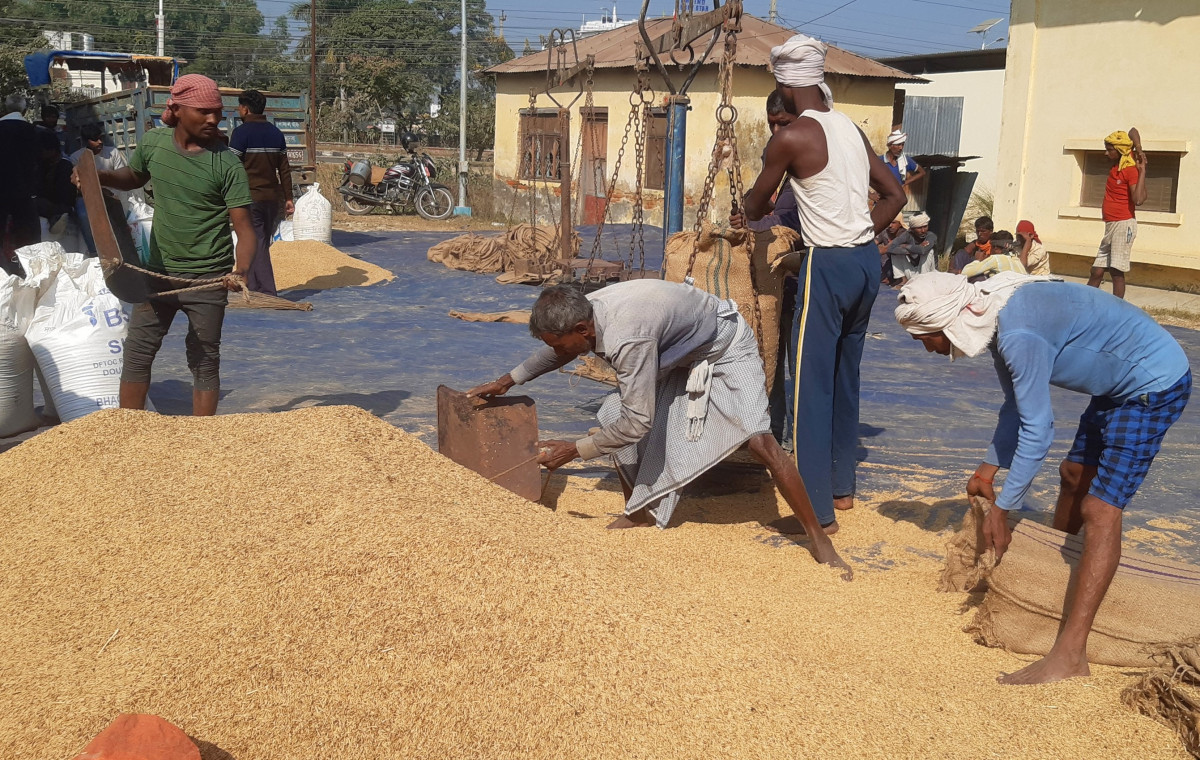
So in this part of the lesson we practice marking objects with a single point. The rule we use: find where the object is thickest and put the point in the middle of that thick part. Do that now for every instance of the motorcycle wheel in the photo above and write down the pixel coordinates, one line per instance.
(355, 207)
(434, 203)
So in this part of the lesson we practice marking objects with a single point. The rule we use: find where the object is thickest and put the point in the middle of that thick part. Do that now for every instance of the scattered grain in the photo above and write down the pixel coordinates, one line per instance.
(312, 265)
(350, 593)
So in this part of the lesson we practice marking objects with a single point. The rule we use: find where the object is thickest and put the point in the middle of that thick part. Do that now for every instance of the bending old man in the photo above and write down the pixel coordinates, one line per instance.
(691, 391)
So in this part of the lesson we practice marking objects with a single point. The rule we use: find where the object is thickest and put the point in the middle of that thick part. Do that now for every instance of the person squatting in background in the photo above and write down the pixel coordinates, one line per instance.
(1004, 258)
(830, 166)
(199, 188)
(1030, 249)
(912, 252)
(976, 250)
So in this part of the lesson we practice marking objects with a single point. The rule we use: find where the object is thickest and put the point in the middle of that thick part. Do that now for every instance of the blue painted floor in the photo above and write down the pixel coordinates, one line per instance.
(386, 348)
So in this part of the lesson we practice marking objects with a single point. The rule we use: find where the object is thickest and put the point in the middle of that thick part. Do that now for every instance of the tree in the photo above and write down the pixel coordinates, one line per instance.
(219, 38)
(398, 53)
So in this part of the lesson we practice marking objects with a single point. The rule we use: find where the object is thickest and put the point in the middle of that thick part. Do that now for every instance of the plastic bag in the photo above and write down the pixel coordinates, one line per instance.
(141, 224)
(313, 219)
(17, 302)
(283, 233)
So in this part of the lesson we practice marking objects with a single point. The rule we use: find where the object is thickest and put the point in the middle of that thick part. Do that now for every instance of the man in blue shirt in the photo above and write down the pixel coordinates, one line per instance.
(263, 150)
(904, 168)
(1044, 333)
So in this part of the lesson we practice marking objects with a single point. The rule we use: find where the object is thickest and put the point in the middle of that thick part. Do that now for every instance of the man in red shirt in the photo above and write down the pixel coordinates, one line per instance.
(1124, 191)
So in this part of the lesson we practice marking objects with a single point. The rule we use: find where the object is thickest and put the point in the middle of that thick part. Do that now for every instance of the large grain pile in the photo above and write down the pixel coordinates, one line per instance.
(311, 265)
(352, 594)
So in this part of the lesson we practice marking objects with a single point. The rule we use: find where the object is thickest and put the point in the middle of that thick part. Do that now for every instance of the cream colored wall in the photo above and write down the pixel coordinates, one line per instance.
(1077, 70)
(867, 102)
(982, 93)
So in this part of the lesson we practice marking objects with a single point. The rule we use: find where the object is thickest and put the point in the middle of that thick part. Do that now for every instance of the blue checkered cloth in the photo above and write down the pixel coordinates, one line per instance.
(1121, 439)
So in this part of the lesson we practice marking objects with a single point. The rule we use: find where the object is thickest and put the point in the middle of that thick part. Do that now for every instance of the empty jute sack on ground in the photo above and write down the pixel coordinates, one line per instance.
(723, 268)
(538, 245)
(1152, 605)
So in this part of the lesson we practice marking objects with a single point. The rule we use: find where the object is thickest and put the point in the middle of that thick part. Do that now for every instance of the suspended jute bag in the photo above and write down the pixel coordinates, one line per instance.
(1153, 604)
(724, 267)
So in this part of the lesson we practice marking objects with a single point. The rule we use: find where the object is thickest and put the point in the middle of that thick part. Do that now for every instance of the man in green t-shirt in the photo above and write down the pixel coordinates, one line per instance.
(200, 187)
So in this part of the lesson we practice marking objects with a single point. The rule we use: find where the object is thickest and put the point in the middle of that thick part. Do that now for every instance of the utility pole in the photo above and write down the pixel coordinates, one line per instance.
(312, 83)
(342, 93)
(161, 23)
(771, 13)
(503, 18)
(462, 209)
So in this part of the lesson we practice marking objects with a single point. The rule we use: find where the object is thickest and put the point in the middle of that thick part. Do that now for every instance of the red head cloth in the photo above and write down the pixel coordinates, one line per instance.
(195, 90)
(1025, 227)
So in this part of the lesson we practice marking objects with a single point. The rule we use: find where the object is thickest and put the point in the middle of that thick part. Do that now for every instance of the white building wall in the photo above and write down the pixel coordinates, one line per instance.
(983, 96)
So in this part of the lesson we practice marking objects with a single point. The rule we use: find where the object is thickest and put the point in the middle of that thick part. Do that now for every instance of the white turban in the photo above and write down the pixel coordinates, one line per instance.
(800, 62)
(966, 312)
(897, 138)
(918, 220)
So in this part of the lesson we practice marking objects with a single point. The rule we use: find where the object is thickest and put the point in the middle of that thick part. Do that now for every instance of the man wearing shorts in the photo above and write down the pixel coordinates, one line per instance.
(200, 188)
(1042, 333)
(1123, 192)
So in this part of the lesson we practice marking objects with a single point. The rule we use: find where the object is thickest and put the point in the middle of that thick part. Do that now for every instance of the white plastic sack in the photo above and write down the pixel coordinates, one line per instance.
(313, 219)
(17, 302)
(283, 233)
(141, 221)
(77, 335)
(41, 262)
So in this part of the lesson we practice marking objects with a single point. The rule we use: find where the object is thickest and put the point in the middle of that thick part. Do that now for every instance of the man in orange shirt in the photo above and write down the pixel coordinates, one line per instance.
(1124, 191)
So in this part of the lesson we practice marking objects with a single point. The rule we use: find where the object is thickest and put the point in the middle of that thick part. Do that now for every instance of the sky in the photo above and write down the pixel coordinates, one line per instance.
(876, 28)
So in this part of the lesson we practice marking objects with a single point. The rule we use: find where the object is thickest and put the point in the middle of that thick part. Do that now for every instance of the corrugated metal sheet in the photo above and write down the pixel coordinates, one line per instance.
(933, 125)
(617, 49)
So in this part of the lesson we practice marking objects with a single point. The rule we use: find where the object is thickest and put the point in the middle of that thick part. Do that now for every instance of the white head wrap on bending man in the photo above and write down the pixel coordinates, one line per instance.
(918, 220)
(965, 312)
(800, 62)
(897, 138)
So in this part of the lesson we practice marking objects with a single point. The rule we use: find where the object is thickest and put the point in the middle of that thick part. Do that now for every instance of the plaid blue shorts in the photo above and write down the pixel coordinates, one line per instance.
(1122, 439)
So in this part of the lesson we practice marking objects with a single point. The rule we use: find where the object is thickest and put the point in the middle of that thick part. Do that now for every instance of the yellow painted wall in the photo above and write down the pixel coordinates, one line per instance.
(1076, 71)
(867, 101)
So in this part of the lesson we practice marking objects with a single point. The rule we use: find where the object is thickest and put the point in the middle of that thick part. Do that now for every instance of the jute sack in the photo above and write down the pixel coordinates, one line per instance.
(1153, 603)
(967, 564)
(470, 253)
(723, 268)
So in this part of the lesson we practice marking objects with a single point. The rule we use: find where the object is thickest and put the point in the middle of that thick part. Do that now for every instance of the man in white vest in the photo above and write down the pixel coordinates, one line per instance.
(831, 168)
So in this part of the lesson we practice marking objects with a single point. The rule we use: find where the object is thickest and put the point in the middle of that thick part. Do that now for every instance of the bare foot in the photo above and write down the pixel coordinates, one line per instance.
(843, 502)
(1049, 669)
(791, 526)
(639, 519)
(827, 555)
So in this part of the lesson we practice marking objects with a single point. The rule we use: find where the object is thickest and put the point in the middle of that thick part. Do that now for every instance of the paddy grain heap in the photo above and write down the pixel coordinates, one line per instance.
(362, 596)
(312, 265)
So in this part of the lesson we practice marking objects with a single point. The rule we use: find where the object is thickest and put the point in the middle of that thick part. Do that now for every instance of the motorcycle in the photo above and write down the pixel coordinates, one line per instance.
(407, 183)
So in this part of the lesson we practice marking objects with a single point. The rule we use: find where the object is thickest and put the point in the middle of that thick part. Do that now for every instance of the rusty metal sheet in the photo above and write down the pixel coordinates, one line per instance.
(496, 437)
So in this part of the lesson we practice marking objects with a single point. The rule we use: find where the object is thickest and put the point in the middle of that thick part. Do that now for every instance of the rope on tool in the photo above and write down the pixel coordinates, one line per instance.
(214, 283)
